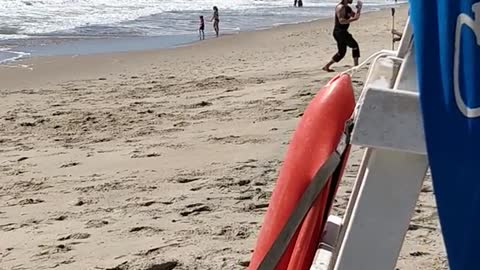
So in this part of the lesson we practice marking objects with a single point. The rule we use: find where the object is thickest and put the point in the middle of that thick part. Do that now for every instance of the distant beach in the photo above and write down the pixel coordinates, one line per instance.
(61, 27)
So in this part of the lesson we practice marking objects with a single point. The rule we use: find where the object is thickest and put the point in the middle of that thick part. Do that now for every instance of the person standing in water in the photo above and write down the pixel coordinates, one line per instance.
(344, 15)
(215, 20)
(201, 28)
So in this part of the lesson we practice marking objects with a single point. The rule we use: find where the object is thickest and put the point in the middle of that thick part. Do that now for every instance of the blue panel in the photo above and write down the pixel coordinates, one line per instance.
(451, 121)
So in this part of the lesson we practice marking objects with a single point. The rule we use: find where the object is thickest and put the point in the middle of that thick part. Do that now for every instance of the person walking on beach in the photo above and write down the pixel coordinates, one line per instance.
(344, 15)
(215, 20)
(298, 2)
(201, 29)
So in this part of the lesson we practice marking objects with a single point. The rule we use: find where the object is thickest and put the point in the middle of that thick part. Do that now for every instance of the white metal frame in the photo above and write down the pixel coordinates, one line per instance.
(388, 122)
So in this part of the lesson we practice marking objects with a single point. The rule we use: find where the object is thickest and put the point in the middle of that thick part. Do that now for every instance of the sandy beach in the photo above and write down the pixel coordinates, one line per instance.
(166, 159)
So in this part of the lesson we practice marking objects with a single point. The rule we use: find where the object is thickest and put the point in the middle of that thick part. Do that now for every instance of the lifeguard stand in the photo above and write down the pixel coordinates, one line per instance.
(388, 122)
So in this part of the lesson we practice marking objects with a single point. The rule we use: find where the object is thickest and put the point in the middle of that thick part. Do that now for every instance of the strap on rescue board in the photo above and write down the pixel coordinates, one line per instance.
(331, 166)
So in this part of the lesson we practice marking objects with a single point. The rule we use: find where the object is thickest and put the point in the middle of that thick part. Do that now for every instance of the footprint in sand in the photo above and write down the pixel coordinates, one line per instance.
(74, 236)
(255, 206)
(50, 250)
(182, 124)
(149, 155)
(185, 180)
(96, 223)
(30, 201)
(233, 139)
(195, 208)
(159, 266)
(9, 227)
(199, 105)
(70, 164)
(145, 230)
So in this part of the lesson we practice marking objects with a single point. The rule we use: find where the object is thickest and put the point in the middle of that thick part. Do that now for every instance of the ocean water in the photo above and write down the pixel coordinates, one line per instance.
(53, 27)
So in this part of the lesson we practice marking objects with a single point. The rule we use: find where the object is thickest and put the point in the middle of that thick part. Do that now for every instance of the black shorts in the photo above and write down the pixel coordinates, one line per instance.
(345, 39)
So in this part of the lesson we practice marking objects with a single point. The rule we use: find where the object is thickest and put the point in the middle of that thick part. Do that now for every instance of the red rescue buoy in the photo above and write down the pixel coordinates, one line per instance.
(314, 140)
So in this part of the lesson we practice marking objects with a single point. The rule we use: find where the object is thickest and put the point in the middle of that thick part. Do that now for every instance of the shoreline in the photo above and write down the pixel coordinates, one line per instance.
(99, 45)
(105, 62)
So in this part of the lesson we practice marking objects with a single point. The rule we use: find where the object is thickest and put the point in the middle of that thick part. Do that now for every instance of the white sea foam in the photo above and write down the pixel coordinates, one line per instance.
(13, 56)
(22, 18)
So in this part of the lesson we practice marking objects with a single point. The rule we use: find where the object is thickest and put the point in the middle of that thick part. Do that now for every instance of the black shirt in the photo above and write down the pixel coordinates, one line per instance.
(338, 25)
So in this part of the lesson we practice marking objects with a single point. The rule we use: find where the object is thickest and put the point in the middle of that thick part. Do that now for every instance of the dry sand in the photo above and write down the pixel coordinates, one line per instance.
(166, 159)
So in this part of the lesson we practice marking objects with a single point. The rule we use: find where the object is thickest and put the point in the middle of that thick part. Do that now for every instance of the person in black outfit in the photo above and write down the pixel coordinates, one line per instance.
(344, 15)
(216, 20)
(201, 28)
